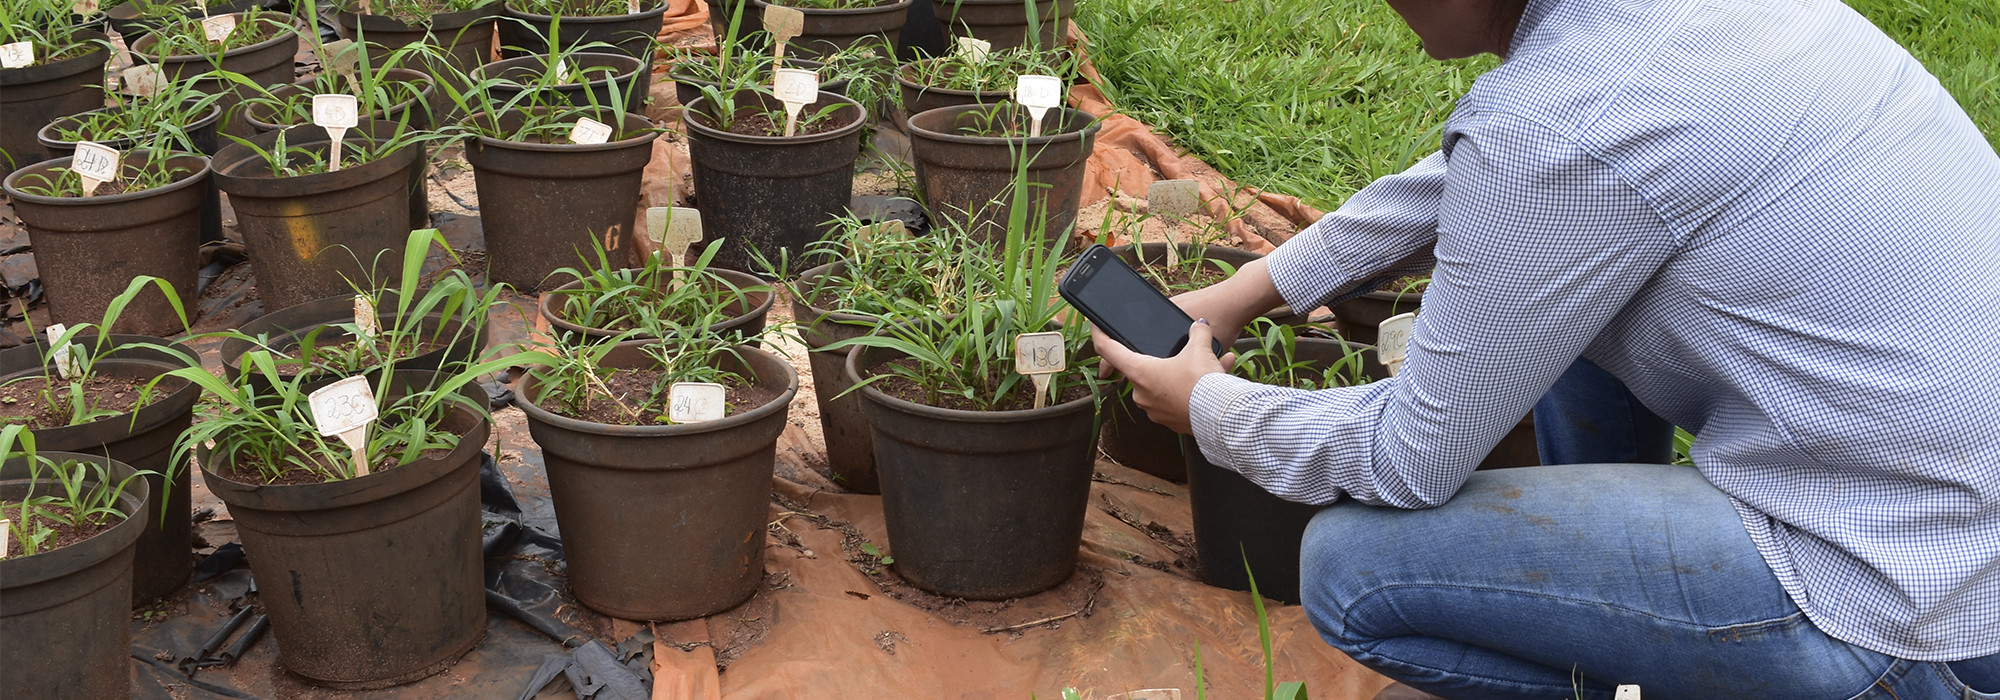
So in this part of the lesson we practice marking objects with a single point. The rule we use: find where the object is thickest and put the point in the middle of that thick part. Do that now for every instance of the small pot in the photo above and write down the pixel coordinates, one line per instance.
(524, 33)
(850, 443)
(979, 505)
(828, 32)
(286, 329)
(36, 95)
(372, 581)
(746, 315)
(687, 87)
(267, 63)
(543, 204)
(919, 98)
(1003, 22)
(309, 235)
(664, 522)
(628, 71)
(164, 554)
(419, 110)
(465, 38)
(969, 179)
(201, 132)
(772, 192)
(65, 615)
(90, 248)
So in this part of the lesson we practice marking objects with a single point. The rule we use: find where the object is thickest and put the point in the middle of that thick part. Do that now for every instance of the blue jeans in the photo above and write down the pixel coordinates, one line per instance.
(1532, 581)
(1589, 417)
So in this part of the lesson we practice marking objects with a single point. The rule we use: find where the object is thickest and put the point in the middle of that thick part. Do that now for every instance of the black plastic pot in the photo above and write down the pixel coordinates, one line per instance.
(89, 248)
(1359, 317)
(419, 112)
(827, 32)
(465, 38)
(687, 87)
(970, 179)
(664, 522)
(373, 581)
(772, 192)
(267, 63)
(524, 33)
(286, 328)
(65, 614)
(36, 95)
(745, 316)
(543, 204)
(980, 505)
(307, 236)
(1003, 22)
(850, 443)
(719, 14)
(125, 18)
(1132, 439)
(200, 131)
(164, 554)
(629, 72)
(919, 98)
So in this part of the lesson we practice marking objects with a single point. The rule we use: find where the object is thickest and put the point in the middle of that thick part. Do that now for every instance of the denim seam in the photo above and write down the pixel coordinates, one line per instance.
(1785, 622)
(1522, 687)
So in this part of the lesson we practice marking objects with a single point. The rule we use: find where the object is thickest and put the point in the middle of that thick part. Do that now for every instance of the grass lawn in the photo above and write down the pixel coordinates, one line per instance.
(1316, 98)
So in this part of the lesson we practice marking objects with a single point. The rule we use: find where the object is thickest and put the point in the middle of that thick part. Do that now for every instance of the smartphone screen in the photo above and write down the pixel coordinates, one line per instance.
(1113, 296)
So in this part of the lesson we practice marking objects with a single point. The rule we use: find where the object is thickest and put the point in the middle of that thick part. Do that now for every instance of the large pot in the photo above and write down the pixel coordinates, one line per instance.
(1003, 22)
(324, 234)
(372, 581)
(164, 555)
(200, 132)
(969, 180)
(772, 192)
(980, 505)
(665, 522)
(543, 204)
(284, 330)
(267, 63)
(36, 95)
(465, 38)
(744, 315)
(919, 98)
(89, 248)
(627, 71)
(418, 112)
(125, 18)
(827, 32)
(524, 33)
(687, 87)
(65, 615)
(850, 443)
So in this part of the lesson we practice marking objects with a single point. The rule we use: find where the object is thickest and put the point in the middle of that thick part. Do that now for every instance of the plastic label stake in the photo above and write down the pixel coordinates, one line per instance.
(632, 7)
(589, 131)
(1039, 355)
(84, 7)
(342, 57)
(676, 229)
(345, 408)
(336, 114)
(694, 402)
(95, 163)
(6, 529)
(17, 55)
(218, 29)
(1392, 341)
(60, 355)
(366, 324)
(869, 233)
(1039, 93)
(1627, 692)
(784, 24)
(975, 50)
(143, 81)
(796, 88)
(121, 54)
(1173, 199)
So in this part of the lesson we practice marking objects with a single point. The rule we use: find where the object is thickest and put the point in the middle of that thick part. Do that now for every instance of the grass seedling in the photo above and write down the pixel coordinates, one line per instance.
(182, 35)
(993, 73)
(137, 172)
(1275, 361)
(655, 299)
(83, 498)
(49, 27)
(133, 119)
(415, 12)
(577, 379)
(890, 276)
(69, 392)
(536, 109)
(581, 8)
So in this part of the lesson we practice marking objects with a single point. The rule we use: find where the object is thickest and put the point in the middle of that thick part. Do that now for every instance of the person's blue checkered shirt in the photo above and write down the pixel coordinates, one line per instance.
(1768, 220)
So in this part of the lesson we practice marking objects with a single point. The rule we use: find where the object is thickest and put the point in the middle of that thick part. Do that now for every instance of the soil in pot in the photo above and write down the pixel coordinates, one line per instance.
(1004, 23)
(65, 614)
(850, 444)
(89, 248)
(664, 522)
(829, 31)
(690, 79)
(547, 205)
(465, 38)
(440, 340)
(60, 138)
(772, 193)
(966, 157)
(747, 301)
(601, 69)
(525, 29)
(33, 96)
(264, 50)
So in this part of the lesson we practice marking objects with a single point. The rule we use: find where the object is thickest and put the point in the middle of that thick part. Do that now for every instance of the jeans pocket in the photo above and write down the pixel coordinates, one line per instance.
(1959, 688)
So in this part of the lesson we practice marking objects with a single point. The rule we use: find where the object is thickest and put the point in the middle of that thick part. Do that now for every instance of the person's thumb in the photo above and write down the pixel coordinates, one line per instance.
(1200, 339)
(1229, 362)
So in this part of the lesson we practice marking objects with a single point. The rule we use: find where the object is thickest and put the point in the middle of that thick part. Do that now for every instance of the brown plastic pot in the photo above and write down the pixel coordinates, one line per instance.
(285, 329)
(200, 131)
(65, 615)
(1003, 22)
(320, 235)
(542, 205)
(465, 38)
(850, 443)
(1358, 318)
(687, 87)
(417, 111)
(89, 248)
(745, 315)
(164, 555)
(979, 505)
(919, 98)
(125, 18)
(372, 581)
(626, 70)
(267, 63)
(664, 522)
(969, 180)
(772, 192)
(828, 32)
(33, 96)
(524, 33)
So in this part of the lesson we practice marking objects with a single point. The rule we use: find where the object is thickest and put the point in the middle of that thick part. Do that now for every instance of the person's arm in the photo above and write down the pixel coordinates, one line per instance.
(1539, 245)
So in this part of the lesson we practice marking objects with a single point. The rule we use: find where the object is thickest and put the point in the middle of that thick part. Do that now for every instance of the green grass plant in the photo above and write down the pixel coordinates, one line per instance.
(83, 494)
(656, 298)
(134, 175)
(49, 26)
(1275, 361)
(577, 377)
(182, 35)
(416, 12)
(581, 8)
(70, 392)
(994, 72)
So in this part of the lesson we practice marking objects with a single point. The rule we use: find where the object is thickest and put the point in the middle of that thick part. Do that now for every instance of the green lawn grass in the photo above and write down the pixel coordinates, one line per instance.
(1316, 98)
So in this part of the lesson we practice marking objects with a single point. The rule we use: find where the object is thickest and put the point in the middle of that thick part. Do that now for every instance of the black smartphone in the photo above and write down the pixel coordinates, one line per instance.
(1113, 295)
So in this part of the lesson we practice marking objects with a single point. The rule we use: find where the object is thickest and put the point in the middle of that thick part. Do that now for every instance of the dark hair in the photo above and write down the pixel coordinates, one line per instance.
(1505, 20)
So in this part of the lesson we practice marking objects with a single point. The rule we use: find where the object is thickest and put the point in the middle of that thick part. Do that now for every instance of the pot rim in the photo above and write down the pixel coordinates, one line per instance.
(186, 181)
(556, 320)
(231, 351)
(649, 133)
(236, 155)
(631, 70)
(507, 9)
(47, 137)
(783, 402)
(872, 9)
(695, 127)
(151, 38)
(165, 408)
(1089, 131)
(22, 572)
(1279, 311)
(831, 268)
(1020, 415)
(64, 68)
(440, 21)
(676, 74)
(903, 78)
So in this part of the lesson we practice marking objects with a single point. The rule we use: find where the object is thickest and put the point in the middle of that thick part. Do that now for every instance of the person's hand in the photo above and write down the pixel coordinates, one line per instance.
(1162, 386)
(1233, 303)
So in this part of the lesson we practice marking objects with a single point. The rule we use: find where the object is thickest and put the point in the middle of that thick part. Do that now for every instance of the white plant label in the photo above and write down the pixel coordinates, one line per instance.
(784, 24)
(1627, 692)
(143, 81)
(60, 354)
(345, 408)
(894, 228)
(632, 7)
(218, 28)
(17, 55)
(1180, 198)
(1392, 341)
(796, 88)
(121, 53)
(1039, 93)
(1039, 355)
(84, 7)
(694, 402)
(589, 131)
(975, 50)
(676, 229)
(366, 324)
(563, 74)
(342, 57)
(336, 114)
(5, 531)
(96, 163)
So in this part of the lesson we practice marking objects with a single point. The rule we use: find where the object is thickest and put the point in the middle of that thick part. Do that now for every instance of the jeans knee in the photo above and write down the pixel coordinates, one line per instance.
(1326, 583)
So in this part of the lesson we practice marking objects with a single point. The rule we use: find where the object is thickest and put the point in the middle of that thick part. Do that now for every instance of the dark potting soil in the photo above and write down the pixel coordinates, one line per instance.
(21, 400)
(632, 387)
(1022, 398)
(1184, 278)
(581, 8)
(248, 474)
(1413, 284)
(763, 125)
(64, 536)
(353, 345)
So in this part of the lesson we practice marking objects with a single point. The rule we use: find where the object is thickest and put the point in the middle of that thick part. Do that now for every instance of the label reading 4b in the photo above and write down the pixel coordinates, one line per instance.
(17, 55)
(96, 163)
(694, 402)
(1392, 344)
(335, 111)
(219, 27)
(343, 406)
